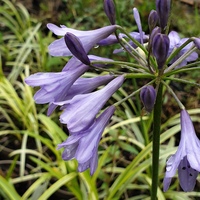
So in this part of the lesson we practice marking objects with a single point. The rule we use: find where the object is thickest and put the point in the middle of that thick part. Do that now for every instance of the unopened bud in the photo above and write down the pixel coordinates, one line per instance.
(163, 9)
(148, 97)
(153, 20)
(75, 46)
(109, 8)
(160, 48)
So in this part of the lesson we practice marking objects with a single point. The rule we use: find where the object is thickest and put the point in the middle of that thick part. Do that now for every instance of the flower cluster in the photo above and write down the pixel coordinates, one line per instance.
(157, 55)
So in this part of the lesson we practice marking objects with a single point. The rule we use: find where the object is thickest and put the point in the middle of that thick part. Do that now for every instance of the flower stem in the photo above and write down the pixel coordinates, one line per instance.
(156, 142)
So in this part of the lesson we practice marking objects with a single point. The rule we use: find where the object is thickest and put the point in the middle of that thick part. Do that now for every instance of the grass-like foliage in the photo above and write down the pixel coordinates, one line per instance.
(32, 168)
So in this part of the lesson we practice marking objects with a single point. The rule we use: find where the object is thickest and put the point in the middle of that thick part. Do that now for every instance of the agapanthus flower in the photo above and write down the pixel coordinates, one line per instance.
(88, 38)
(81, 86)
(79, 113)
(187, 157)
(55, 85)
(83, 146)
(176, 42)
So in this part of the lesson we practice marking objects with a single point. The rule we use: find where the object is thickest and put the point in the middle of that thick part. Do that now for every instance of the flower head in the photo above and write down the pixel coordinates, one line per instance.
(80, 112)
(83, 146)
(186, 159)
(88, 38)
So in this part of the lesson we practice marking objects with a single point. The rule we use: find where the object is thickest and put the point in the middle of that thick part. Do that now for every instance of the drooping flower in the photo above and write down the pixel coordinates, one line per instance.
(160, 48)
(176, 42)
(148, 97)
(81, 86)
(187, 157)
(83, 146)
(80, 112)
(88, 38)
(55, 85)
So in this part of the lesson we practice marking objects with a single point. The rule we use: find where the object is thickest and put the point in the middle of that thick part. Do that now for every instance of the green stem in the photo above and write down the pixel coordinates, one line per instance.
(156, 142)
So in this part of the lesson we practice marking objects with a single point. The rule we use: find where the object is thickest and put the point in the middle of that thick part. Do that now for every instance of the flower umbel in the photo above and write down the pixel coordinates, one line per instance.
(186, 159)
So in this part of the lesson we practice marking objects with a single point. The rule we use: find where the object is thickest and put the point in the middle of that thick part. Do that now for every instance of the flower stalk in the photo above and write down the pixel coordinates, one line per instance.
(156, 142)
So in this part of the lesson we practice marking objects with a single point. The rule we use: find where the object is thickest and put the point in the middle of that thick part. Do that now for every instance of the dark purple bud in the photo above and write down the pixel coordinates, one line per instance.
(197, 42)
(109, 8)
(75, 46)
(160, 48)
(155, 31)
(148, 97)
(163, 10)
(153, 20)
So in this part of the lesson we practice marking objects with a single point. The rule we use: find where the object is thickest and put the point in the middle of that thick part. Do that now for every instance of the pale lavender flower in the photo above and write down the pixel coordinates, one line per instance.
(148, 97)
(88, 38)
(187, 157)
(55, 85)
(176, 42)
(138, 22)
(83, 146)
(81, 86)
(197, 42)
(80, 112)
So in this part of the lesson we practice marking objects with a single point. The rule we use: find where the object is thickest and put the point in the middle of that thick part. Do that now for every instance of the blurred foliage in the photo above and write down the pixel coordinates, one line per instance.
(30, 165)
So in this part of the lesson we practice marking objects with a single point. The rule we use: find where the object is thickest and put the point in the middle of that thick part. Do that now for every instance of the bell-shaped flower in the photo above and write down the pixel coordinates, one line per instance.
(80, 112)
(55, 85)
(148, 97)
(81, 86)
(176, 42)
(88, 38)
(160, 48)
(83, 146)
(187, 157)
(109, 8)
(163, 8)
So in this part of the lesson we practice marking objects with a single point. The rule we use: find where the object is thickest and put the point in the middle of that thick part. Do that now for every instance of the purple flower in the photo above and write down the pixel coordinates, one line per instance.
(81, 86)
(197, 42)
(186, 158)
(80, 112)
(55, 85)
(148, 97)
(88, 38)
(176, 42)
(83, 146)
